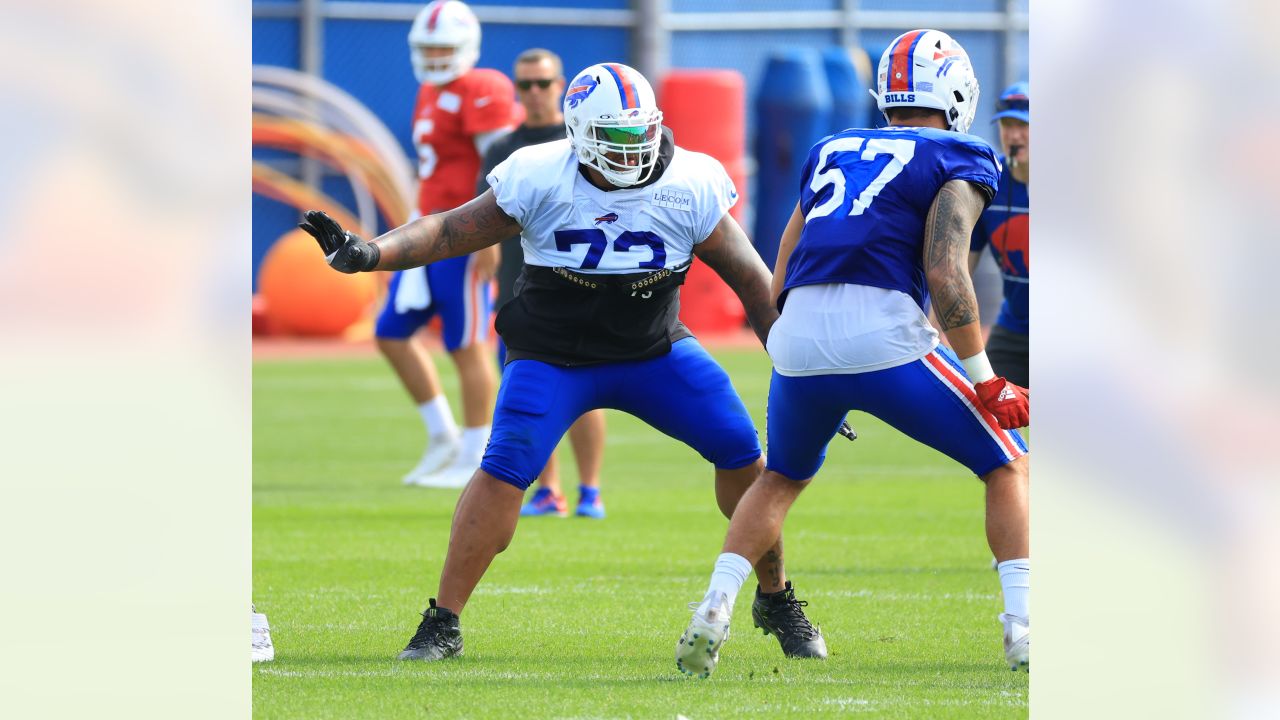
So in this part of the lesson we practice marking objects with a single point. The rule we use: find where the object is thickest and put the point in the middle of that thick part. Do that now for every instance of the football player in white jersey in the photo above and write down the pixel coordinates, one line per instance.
(610, 219)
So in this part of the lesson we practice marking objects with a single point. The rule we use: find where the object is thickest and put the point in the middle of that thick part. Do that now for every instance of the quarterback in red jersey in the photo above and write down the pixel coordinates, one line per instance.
(460, 111)
(450, 123)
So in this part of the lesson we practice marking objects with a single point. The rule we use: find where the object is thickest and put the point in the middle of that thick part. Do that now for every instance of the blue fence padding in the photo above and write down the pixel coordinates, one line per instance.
(849, 97)
(793, 111)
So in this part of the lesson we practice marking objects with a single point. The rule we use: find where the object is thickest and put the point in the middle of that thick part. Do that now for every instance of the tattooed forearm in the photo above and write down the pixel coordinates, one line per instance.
(731, 255)
(478, 224)
(946, 253)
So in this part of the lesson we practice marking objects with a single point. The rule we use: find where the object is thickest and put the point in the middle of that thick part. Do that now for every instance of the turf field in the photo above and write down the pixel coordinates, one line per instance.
(579, 618)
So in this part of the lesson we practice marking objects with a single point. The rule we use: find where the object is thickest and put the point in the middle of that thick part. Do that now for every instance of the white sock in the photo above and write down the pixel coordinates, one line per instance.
(438, 418)
(730, 573)
(1015, 580)
(473, 441)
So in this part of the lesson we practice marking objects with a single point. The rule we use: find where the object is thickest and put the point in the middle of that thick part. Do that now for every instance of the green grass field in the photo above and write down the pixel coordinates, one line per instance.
(579, 618)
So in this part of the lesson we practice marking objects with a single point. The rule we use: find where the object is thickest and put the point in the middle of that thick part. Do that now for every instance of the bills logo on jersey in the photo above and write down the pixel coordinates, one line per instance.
(1014, 252)
(579, 90)
(608, 219)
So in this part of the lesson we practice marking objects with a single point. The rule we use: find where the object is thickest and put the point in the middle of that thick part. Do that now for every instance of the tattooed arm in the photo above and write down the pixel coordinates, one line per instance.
(946, 264)
(728, 251)
(462, 230)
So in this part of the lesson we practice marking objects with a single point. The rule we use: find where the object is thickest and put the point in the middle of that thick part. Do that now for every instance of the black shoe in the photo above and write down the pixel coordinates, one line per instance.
(438, 636)
(780, 614)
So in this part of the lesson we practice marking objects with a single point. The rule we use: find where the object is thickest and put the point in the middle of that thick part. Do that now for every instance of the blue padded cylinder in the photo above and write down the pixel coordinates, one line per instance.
(849, 94)
(793, 112)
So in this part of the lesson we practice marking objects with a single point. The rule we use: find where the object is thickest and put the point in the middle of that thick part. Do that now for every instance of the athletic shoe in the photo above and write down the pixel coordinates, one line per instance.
(438, 636)
(589, 503)
(441, 450)
(699, 648)
(781, 615)
(545, 502)
(456, 475)
(263, 650)
(1017, 642)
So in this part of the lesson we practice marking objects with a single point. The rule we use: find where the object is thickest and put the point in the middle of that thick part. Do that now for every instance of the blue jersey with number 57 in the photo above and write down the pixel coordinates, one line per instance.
(865, 195)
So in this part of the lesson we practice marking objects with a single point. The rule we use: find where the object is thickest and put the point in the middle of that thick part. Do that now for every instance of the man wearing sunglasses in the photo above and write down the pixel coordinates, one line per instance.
(610, 220)
(1004, 228)
(539, 77)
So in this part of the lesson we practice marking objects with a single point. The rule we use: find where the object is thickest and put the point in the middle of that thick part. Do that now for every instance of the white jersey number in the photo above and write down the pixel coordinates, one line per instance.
(426, 154)
(901, 152)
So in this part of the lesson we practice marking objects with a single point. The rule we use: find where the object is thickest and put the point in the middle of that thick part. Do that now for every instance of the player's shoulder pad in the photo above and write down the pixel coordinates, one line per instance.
(485, 81)
(536, 167)
(828, 138)
(703, 179)
(696, 162)
(532, 176)
(961, 142)
(698, 172)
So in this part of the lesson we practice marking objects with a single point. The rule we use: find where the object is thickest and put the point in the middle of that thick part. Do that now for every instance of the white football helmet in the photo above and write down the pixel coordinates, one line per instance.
(447, 24)
(927, 68)
(614, 123)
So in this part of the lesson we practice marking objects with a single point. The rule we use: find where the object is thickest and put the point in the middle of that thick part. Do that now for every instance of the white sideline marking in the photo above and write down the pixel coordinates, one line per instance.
(510, 590)
(908, 597)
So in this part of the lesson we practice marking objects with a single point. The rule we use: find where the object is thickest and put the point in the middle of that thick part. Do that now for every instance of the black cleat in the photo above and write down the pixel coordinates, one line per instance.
(438, 636)
(780, 614)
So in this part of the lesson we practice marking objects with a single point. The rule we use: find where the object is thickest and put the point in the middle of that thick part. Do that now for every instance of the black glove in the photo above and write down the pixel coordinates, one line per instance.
(344, 251)
(847, 430)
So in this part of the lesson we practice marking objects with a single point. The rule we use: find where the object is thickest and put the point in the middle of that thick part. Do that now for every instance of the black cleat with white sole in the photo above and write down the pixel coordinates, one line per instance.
(780, 614)
(438, 637)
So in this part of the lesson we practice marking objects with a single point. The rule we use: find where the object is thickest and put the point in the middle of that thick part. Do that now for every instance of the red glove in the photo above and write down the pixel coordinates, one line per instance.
(1010, 404)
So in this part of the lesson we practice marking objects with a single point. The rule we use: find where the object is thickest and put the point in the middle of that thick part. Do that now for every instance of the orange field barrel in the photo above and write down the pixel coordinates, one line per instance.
(301, 295)
(707, 112)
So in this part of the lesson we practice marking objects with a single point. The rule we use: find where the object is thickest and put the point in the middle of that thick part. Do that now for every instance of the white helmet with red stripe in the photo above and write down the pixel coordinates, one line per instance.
(927, 68)
(614, 123)
(444, 24)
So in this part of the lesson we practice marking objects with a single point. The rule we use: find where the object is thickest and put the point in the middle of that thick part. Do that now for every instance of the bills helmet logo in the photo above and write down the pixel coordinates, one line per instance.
(579, 90)
(610, 218)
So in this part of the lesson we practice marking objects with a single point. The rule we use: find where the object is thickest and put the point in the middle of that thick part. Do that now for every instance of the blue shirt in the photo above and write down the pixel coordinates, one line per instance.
(865, 195)
(1004, 227)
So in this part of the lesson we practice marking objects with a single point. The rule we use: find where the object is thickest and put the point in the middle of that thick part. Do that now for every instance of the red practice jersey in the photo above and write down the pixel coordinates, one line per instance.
(445, 121)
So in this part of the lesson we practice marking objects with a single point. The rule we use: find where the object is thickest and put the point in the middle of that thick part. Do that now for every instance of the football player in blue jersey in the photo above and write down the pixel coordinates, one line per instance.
(881, 229)
(1004, 227)
(609, 220)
